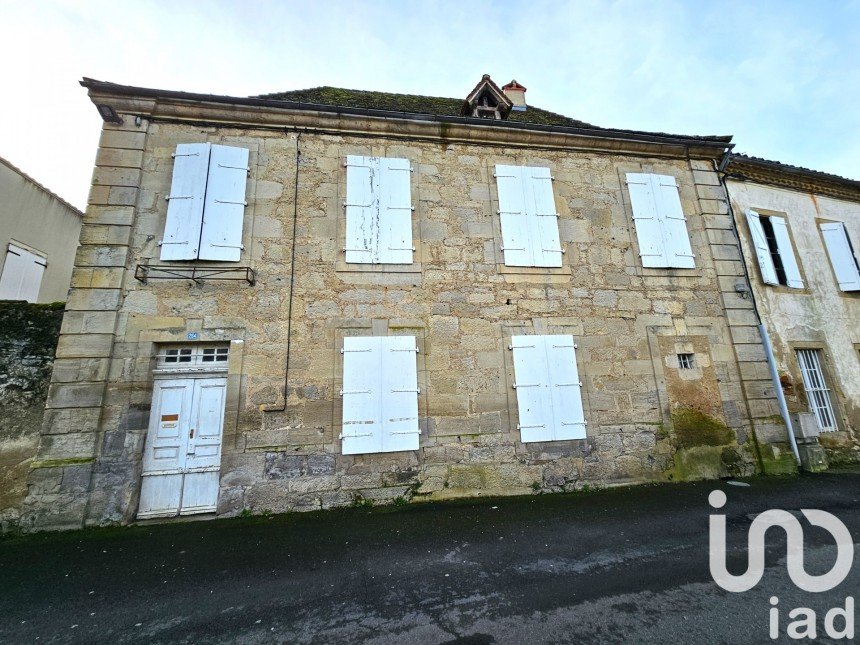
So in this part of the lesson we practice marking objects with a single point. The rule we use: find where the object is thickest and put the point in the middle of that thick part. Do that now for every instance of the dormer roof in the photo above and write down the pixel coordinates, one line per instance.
(485, 95)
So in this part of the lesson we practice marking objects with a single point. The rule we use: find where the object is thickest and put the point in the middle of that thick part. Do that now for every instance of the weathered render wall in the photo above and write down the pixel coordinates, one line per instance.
(458, 299)
(28, 339)
(818, 316)
(31, 216)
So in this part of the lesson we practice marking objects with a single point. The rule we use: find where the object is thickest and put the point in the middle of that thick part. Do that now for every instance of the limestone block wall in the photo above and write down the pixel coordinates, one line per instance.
(819, 316)
(458, 299)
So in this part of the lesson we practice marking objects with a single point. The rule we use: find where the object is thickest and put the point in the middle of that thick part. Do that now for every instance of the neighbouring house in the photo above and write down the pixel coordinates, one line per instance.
(800, 232)
(39, 232)
(329, 296)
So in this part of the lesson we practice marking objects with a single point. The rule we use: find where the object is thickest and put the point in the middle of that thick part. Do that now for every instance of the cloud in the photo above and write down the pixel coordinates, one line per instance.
(783, 77)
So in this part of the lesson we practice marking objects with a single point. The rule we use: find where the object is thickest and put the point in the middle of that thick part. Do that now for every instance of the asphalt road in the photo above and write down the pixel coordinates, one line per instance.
(625, 565)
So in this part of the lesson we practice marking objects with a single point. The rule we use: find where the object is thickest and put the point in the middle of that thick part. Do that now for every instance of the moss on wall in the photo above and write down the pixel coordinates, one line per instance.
(28, 341)
(694, 428)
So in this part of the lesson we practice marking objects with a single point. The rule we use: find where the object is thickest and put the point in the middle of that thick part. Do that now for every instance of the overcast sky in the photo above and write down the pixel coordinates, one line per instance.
(783, 76)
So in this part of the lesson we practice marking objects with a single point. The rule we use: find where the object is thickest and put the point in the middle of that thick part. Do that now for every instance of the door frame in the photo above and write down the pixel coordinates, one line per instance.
(199, 371)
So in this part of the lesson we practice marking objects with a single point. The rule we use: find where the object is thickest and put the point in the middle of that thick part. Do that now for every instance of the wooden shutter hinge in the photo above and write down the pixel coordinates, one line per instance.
(222, 201)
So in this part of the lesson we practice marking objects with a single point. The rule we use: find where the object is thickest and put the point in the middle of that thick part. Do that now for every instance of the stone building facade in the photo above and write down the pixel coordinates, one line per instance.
(800, 232)
(663, 369)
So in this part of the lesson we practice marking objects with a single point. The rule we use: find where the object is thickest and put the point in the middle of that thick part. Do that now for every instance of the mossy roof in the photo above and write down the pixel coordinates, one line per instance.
(441, 106)
(412, 104)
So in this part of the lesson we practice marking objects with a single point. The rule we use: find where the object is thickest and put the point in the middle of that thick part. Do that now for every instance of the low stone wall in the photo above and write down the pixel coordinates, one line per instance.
(28, 340)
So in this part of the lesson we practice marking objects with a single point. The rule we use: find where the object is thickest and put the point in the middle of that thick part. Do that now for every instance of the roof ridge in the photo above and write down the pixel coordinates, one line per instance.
(348, 89)
(39, 185)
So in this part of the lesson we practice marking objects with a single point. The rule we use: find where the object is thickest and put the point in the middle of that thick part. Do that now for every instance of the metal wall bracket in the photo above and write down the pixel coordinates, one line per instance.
(196, 274)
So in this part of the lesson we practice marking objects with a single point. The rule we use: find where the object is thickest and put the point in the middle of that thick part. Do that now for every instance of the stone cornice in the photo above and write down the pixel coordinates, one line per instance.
(253, 112)
(804, 180)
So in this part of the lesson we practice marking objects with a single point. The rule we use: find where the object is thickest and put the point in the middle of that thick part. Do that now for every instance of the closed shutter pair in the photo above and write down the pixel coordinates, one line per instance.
(378, 210)
(206, 205)
(380, 394)
(528, 217)
(549, 393)
(661, 227)
(22, 275)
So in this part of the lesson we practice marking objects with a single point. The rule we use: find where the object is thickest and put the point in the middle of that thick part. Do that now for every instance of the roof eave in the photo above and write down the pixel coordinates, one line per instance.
(178, 105)
(782, 175)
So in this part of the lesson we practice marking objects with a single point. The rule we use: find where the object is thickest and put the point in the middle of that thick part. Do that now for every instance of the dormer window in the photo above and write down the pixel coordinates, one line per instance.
(487, 101)
(487, 108)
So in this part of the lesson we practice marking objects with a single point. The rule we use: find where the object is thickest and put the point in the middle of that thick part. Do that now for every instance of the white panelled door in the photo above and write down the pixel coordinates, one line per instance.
(182, 458)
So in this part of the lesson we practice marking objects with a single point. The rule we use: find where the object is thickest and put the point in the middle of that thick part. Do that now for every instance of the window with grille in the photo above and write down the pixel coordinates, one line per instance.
(192, 357)
(816, 389)
(685, 361)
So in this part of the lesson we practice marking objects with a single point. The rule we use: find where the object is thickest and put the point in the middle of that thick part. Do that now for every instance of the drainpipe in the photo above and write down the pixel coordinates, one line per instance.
(780, 395)
(765, 337)
(273, 407)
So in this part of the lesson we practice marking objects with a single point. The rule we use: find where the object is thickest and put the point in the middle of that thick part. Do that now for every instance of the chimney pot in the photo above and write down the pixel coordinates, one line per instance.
(517, 94)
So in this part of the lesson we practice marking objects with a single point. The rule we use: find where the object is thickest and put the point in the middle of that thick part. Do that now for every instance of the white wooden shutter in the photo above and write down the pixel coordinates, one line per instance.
(542, 216)
(565, 388)
(224, 206)
(531, 376)
(676, 238)
(841, 255)
(362, 395)
(185, 202)
(395, 211)
(399, 374)
(362, 209)
(22, 275)
(647, 220)
(516, 239)
(786, 253)
(762, 250)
